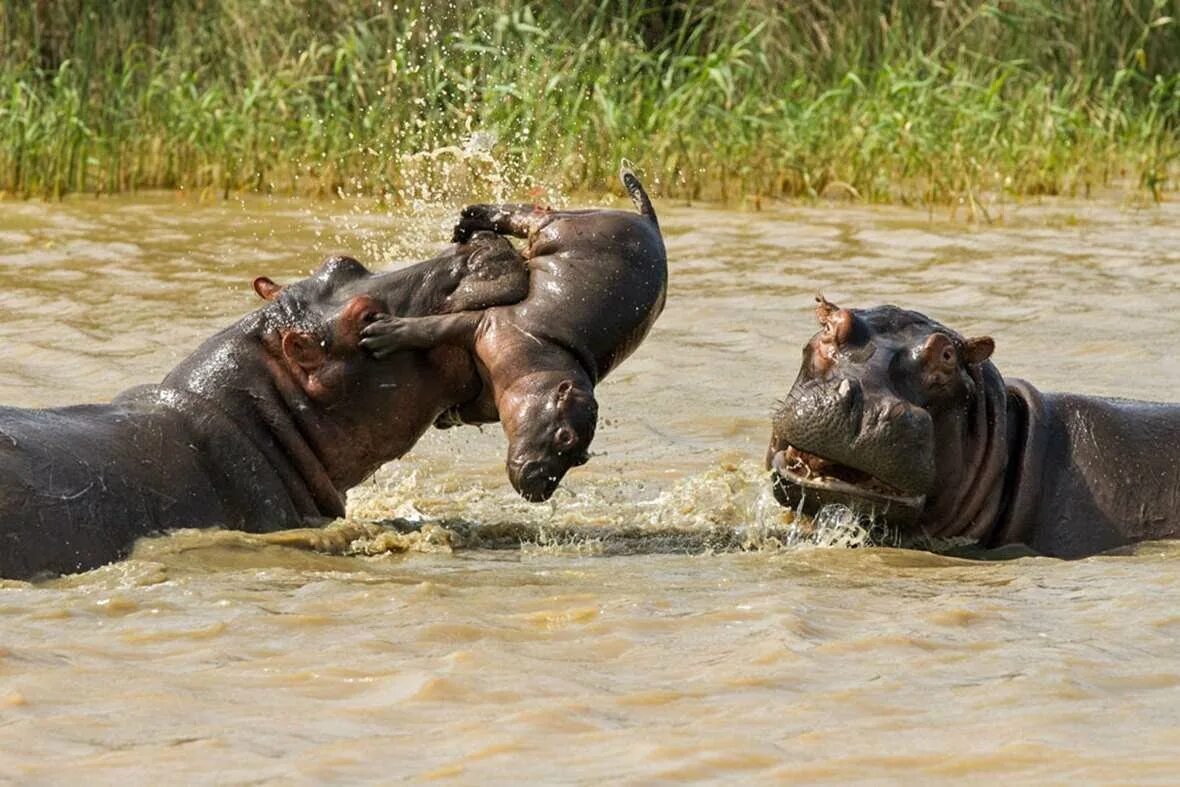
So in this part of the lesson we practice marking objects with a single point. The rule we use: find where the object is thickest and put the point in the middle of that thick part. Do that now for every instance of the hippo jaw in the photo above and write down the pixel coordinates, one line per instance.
(806, 483)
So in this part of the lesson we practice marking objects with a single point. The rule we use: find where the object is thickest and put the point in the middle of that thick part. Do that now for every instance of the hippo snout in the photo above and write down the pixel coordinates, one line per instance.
(817, 413)
(536, 481)
(841, 422)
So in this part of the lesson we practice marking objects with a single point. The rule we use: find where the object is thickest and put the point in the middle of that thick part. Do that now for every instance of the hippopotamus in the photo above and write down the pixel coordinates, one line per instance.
(598, 280)
(264, 427)
(895, 413)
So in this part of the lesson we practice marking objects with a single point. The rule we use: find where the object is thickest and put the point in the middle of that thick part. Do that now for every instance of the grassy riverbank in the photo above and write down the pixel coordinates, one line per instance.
(713, 99)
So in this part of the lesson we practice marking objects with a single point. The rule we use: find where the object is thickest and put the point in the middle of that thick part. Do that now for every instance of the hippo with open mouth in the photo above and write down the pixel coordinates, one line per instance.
(895, 414)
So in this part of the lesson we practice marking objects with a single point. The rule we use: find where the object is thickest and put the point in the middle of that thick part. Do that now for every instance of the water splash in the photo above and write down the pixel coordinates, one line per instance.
(728, 508)
(412, 220)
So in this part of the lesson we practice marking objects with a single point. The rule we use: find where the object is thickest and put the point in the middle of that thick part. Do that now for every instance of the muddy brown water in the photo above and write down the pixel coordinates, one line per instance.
(624, 641)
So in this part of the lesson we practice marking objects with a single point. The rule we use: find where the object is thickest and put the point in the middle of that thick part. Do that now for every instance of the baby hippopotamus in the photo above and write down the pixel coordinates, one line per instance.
(597, 283)
(895, 413)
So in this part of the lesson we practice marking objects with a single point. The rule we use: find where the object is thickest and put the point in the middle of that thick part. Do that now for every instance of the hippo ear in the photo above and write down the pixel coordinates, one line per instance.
(978, 349)
(303, 350)
(266, 289)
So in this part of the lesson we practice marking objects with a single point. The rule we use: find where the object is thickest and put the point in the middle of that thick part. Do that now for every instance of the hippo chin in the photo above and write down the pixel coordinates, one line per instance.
(897, 415)
(263, 427)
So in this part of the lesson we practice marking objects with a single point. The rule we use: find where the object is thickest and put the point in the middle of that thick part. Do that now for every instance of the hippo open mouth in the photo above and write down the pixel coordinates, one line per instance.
(807, 482)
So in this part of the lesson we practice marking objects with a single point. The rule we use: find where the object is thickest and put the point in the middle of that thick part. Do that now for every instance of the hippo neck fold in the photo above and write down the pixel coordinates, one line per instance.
(521, 354)
(998, 498)
(292, 421)
(971, 509)
(584, 359)
(269, 409)
(1026, 454)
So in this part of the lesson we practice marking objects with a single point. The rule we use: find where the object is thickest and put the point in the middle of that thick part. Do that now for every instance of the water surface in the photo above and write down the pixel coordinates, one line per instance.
(220, 656)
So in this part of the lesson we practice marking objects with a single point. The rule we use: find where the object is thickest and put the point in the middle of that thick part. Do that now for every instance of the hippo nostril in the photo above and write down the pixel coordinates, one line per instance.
(536, 473)
(537, 481)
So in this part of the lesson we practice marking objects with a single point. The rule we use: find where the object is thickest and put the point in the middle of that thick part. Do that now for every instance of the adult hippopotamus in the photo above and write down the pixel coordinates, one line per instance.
(264, 427)
(895, 413)
(598, 280)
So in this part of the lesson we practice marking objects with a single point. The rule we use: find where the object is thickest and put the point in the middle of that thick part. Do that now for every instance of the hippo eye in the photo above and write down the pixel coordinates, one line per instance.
(939, 360)
(938, 352)
(564, 438)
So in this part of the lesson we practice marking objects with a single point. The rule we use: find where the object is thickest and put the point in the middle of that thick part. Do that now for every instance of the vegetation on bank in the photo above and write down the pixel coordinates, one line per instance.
(929, 101)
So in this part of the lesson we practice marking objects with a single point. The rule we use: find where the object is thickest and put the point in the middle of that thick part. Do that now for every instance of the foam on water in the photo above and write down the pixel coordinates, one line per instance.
(725, 509)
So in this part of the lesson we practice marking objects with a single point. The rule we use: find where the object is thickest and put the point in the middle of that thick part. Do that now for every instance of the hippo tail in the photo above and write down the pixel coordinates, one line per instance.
(638, 195)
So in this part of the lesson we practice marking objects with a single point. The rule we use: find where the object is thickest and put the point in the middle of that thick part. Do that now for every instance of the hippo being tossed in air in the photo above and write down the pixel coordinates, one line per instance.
(597, 283)
(894, 413)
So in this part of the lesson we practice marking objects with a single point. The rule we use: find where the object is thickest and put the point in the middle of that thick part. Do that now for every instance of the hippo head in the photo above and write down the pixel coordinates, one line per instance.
(549, 418)
(316, 323)
(319, 319)
(881, 415)
(312, 331)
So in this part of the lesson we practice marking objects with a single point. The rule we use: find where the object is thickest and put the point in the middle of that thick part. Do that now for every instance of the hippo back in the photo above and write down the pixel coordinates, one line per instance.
(599, 281)
(78, 484)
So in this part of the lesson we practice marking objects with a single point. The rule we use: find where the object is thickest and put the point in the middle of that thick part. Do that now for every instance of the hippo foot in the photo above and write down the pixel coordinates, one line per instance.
(518, 220)
(387, 335)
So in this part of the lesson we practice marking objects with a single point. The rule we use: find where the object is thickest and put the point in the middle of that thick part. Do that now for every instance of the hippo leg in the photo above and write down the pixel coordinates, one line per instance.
(481, 410)
(518, 220)
(387, 335)
(476, 294)
(496, 275)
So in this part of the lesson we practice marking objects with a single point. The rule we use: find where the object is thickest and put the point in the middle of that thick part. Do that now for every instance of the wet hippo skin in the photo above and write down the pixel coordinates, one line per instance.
(895, 413)
(265, 426)
(598, 281)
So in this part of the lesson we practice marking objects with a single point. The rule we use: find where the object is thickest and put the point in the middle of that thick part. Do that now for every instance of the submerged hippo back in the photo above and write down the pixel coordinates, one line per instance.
(79, 484)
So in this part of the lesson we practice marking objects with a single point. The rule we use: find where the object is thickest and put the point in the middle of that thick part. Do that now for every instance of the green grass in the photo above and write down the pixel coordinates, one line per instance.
(918, 102)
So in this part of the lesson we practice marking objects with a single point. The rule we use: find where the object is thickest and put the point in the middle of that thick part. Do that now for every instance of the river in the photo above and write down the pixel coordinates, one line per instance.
(657, 625)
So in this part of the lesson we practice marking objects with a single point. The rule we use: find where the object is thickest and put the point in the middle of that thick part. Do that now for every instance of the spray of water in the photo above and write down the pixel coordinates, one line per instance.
(727, 508)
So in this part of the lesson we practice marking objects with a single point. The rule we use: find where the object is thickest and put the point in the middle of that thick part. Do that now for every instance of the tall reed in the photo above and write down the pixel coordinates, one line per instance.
(901, 101)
